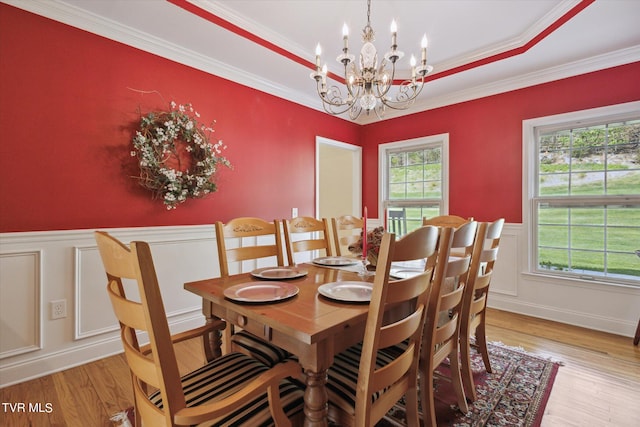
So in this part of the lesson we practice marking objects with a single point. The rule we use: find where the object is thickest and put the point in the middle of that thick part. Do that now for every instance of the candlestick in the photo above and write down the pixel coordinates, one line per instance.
(364, 234)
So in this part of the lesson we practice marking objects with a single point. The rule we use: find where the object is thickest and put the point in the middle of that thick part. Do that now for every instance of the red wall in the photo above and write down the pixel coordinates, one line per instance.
(67, 117)
(485, 138)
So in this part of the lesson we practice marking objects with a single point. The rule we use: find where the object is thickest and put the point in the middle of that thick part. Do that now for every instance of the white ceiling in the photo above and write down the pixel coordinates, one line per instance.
(605, 33)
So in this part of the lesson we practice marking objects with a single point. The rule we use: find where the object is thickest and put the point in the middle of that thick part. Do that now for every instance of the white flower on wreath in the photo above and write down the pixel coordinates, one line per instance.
(156, 143)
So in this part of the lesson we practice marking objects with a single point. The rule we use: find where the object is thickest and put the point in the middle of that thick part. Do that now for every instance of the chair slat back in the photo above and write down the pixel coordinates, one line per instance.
(160, 370)
(440, 339)
(400, 375)
(454, 221)
(240, 229)
(347, 230)
(305, 224)
(485, 254)
(472, 321)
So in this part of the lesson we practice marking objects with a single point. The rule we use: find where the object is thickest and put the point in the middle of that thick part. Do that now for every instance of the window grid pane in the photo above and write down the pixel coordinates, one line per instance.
(588, 200)
(414, 186)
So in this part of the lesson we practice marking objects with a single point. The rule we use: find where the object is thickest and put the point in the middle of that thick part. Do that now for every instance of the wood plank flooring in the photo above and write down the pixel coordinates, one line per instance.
(598, 384)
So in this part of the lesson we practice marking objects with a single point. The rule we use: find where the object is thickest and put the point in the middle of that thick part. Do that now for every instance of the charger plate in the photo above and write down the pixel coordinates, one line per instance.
(347, 291)
(279, 273)
(335, 261)
(261, 291)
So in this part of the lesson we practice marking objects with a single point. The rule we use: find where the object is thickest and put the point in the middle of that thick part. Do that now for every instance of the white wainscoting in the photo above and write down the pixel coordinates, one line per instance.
(39, 267)
(593, 305)
(20, 302)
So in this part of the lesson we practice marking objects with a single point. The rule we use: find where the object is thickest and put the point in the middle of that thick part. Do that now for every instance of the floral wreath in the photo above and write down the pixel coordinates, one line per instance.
(176, 159)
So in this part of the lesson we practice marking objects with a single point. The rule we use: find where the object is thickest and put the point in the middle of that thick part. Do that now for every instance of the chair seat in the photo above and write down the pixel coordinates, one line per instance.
(343, 376)
(229, 374)
(258, 348)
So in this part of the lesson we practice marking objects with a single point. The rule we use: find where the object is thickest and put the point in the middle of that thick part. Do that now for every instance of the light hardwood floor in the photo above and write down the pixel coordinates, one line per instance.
(598, 384)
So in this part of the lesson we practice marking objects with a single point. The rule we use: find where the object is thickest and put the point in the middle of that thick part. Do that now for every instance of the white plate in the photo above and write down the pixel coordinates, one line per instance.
(278, 273)
(261, 291)
(335, 261)
(404, 273)
(347, 291)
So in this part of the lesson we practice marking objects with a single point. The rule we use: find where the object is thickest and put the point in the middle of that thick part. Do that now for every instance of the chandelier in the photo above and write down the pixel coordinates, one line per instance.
(369, 86)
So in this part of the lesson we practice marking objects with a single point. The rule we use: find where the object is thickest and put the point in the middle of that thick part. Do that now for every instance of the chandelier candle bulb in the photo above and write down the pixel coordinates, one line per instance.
(394, 34)
(412, 61)
(318, 53)
(345, 37)
(424, 49)
(324, 79)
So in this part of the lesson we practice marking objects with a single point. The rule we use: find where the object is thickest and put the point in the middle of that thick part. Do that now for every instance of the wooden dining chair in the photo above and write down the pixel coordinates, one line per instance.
(307, 226)
(474, 303)
(364, 383)
(442, 329)
(241, 230)
(347, 230)
(454, 221)
(233, 389)
(397, 221)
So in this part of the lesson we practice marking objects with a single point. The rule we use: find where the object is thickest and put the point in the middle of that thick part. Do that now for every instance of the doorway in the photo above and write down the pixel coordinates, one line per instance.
(338, 178)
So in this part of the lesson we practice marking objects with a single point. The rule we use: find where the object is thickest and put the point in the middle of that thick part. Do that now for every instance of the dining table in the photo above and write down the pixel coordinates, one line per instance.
(311, 325)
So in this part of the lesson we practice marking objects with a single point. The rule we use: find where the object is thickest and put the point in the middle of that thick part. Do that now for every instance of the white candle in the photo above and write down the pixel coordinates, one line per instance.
(345, 36)
(318, 52)
(424, 49)
(364, 234)
(394, 32)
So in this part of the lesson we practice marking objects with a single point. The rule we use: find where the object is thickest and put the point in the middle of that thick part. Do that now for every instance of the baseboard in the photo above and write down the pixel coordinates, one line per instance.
(610, 325)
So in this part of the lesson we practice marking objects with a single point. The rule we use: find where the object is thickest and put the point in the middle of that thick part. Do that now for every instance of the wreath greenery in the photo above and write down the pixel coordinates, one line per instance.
(176, 159)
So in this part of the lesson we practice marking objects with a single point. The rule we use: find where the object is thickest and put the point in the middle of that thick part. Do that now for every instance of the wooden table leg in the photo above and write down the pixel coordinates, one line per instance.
(636, 339)
(316, 399)
(212, 340)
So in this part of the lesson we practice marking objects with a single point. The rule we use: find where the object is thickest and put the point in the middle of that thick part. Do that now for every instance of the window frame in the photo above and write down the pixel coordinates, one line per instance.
(440, 141)
(531, 200)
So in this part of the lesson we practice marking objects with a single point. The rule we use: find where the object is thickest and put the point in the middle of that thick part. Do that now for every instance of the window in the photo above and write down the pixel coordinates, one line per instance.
(413, 181)
(584, 194)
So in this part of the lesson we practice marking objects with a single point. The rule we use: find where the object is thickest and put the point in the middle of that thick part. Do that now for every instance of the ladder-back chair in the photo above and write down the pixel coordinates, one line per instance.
(231, 388)
(241, 230)
(306, 225)
(347, 230)
(473, 318)
(364, 382)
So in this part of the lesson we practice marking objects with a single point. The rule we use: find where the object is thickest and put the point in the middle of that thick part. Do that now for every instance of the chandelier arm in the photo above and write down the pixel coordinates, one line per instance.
(333, 102)
(354, 111)
(404, 99)
(382, 94)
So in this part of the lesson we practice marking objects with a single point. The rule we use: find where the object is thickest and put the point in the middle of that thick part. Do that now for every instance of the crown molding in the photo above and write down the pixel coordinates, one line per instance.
(601, 62)
(95, 24)
(516, 42)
